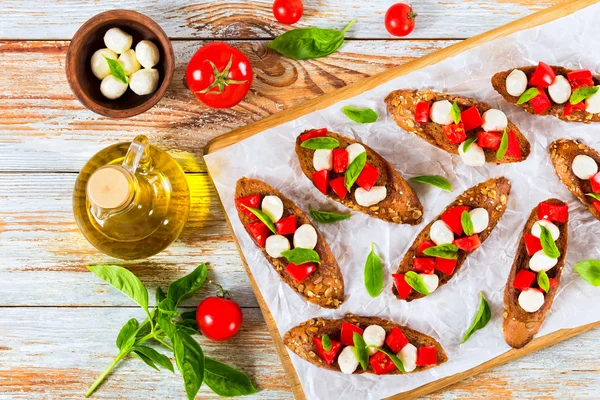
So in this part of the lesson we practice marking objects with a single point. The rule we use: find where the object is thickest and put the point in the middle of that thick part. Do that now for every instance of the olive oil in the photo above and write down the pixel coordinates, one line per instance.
(131, 200)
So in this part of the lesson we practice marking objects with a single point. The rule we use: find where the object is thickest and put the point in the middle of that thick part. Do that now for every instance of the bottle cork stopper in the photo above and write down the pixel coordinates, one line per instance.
(108, 188)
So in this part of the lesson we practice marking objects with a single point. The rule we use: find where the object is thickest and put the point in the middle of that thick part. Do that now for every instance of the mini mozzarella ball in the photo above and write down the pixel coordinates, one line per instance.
(322, 159)
(408, 356)
(276, 244)
(584, 167)
(494, 120)
(99, 65)
(129, 63)
(536, 230)
(374, 335)
(441, 112)
(541, 262)
(347, 360)
(480, 218)
(516, 82)
(144, 81)
(112, 88)
(473, 157)
(431, 281)
(147, 53)
(371, 197)
(440, 233)
(117, 40)
(560, 90)
(273, 207)
(592, 103)
(354, 150)
(531, 300)
(305, 237)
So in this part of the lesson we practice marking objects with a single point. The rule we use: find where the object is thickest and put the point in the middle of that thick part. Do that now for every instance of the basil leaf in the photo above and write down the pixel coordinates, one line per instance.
(483, 316)
(373, 273)
(225, 380)
(467, 223)
(144, 358)
(594, 196)
(184, 287)
(448, 251)
(590, 271)
(327, 217)
(166, 312)
(264, 217)
(124, 280)
(360, 350)
(190, 362)
(360, 115)
(503, 146)
(528, 95)
(548, 244)
(127, 334)
(467, 143)
(455, 110)
(321, 143)
(543, 281)
(188, 321)
(309, 43)
(392, 357)
(116, 69)
(301, 256)
(326, 342)
(160, 295)
(433, 180)
(416, 282)
(583, 93)
(354, 170)
(155, 357)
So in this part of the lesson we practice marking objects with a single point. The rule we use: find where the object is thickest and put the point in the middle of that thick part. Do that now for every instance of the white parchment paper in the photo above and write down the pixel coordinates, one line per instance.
(570, 42)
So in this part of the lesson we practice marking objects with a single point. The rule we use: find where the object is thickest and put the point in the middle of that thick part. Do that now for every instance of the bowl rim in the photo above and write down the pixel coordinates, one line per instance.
(77, 42)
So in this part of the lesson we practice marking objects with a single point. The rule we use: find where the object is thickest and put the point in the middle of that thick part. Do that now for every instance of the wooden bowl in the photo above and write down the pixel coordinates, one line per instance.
(90, 37)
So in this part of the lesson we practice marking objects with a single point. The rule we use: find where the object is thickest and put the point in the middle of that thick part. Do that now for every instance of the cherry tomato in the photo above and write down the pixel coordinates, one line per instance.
(219, 75)
(288, 11)
(400, 19)
(219, 318)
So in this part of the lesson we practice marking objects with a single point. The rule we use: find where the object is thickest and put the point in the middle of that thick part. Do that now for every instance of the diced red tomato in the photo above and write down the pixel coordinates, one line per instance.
(315, 133)
(553, 212)
(340, 160)
(532, 243)
(300, 272)
(426, 265)
(396, 340)
(553, 283)
(596, 205)
(581, 83)
(524, 279)
(381, 363)
(248, 201)
(445, 265)
(259, 232)
(570, 108)
(339, 187)
(327, 355)
(286, 226)
(471, 118)
(489, 140)
(543, 75)
(402, 287)
(452, 218)
(422, 112)
(541, 102)
(514, 148)
(426, 355)
(468, 243)
(348, 329)
(368, 176)
(595, 182)
(425, 245)
(455, 133)
(579, 74)
(320, 180)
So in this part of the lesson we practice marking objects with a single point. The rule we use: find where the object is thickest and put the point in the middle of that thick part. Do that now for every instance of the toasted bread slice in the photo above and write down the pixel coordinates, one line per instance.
(401, 105)
(556, 110)
(325, 286)
(491, 195)
(401, 204)
(519, 326)
(562, 153)
(300, 339)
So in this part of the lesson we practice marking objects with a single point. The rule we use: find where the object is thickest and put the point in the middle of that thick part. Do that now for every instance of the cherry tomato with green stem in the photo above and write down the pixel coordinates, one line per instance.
(400, 19)
(288, 11)
(218, 317)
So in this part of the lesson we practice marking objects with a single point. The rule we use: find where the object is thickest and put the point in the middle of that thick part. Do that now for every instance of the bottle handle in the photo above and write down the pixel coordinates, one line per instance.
(137, 155)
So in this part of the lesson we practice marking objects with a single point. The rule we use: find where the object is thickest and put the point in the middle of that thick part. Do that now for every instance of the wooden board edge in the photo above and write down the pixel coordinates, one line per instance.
(530, 21)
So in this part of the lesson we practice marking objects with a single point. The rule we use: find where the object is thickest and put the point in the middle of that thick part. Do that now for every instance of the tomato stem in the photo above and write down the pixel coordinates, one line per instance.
(225, 294)
(412, 15)
(221, 79)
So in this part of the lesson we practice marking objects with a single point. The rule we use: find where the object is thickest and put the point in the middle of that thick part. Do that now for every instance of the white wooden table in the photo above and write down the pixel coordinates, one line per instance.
(58, 322)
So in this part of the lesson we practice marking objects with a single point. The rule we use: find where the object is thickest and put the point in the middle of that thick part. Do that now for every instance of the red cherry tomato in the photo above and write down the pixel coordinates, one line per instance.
(219, 318)
(288, 11)
(219, 75)
(400, 19)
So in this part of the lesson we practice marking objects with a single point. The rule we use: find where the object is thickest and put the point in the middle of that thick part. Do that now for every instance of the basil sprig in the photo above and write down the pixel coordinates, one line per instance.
(301, 256)
(448, 251)
(321, 143)
(309, 43)
(327, 217)
(528, 95)
(360, 350)
(503, 146)
(326, 342)
(263, 216)
(467, 143)
(354, 170)
(373, 273)
(455, 110)
(416, 282)
(583, 93)
(360, 115)
(392, 357)
(467, 223)
(116, 69)
(543, 281)
(590, 271)
(483, 316)
(548, 244)
(594, 196)
(433, 180)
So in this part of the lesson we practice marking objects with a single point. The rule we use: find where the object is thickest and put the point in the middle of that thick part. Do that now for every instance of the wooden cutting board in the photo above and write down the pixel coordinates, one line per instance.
(542, 17)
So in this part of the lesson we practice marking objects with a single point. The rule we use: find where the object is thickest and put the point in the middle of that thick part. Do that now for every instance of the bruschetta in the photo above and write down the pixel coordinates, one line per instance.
(526, 302)
(442, 247)
(356, 176)
(577, 168)
(455, 123)
(329, 344)
(291, 244)
(551, 90)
